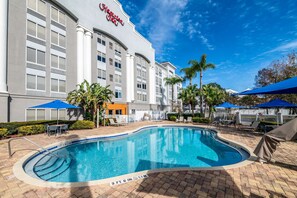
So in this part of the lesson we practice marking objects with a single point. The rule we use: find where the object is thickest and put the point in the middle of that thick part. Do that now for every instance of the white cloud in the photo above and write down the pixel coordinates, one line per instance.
(283, 48)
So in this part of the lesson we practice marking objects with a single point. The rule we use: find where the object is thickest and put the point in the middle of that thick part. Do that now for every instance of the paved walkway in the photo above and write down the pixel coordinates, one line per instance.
(254, 180)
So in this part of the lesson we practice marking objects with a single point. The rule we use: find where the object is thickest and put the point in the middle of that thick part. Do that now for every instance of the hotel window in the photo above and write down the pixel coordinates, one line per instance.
(35, 30)
(101, 39)
(117, 78)
(138, 72)
(35, 56)
(35, 114)
(38, 6)
(102, 74)
(58, 39)
(58, 85)
(143, 86)
(110, 78)
(110, 45)
(118, 93)
(101, 57)
(58, 16)
(61, 112)
(143, 74)
(35, 82)
(118, 111)
(58, 62)
(110, 61)
(144, 97)
(117, 49)
(138, 85)
(117, 64)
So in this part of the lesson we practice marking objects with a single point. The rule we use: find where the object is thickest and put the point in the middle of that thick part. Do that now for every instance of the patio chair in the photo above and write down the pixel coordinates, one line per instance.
(112, 123)
(64, 128)
(181, 119)
(53, 129)
(120, 122)
(188, 120)
(252, 127)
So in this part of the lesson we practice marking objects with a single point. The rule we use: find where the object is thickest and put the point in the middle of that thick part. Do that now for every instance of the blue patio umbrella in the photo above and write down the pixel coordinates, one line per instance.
(56, 104)
(276, 103)
(288, 86)
(228, 105)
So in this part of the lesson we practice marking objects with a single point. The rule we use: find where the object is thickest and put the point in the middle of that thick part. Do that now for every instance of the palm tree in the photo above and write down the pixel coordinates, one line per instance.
(200, 67)
(189, 72)
(172, 81)
(188, 96)
(90, 98)
(213, 96)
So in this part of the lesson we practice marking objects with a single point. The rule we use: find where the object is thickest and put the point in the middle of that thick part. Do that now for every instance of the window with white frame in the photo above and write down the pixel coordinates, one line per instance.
(143, 85)
(117, 78)
(118, 64)
(35, 56)
(110, 45)
(101, 57)
(58, 16)
(58, 85)
(101, 39)
(37, 5)
(110, 77)
(58, 39)
(35, 114)
(61, 114)
(138, 72)
(118, 93)
(101, 74)
(58, 62)
(110, 61)
(117, 49)
(143, 74)
(35, 30)
(35, 82)
(138, 84)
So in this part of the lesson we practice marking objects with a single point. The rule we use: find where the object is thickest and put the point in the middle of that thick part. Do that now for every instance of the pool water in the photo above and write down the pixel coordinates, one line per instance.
(150, 148)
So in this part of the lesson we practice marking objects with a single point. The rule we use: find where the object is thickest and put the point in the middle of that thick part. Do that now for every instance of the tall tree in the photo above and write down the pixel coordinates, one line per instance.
(201, 67)
(172, 81)
(189, 72)
(90, 98)
(188, 95)
(214, 95)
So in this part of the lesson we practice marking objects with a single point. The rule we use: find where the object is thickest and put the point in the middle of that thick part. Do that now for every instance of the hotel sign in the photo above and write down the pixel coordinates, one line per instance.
(110, 16)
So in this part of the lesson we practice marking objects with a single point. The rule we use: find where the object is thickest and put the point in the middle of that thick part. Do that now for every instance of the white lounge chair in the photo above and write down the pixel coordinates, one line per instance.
(181, 119)
(112, 123)
(120, 122)
(188, 120)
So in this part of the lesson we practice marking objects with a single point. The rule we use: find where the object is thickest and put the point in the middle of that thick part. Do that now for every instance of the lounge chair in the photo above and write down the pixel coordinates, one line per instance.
(120, 122)
(252, 127)
(112, 123)
(181, 119)
(64, 128)
(188, 120)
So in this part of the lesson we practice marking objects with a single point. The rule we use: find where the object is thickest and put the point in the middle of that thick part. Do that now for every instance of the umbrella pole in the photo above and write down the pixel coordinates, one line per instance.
(57, 116)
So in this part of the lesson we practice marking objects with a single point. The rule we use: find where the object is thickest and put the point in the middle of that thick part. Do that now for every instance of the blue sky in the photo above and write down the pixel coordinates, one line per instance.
(239, 36)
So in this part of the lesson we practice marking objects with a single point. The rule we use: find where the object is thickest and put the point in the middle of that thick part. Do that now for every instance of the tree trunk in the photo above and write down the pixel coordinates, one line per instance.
(190, 81)
(192, 108)
(201, 109)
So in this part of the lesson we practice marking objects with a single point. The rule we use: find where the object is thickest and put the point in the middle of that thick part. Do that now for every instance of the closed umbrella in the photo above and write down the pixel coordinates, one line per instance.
(56, 104)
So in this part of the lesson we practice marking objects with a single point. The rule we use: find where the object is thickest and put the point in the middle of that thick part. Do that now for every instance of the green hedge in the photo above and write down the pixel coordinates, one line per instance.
(32, 129)
(82, 124)
(172, 118)
(3, 132)
(201, 120)
(12, 127)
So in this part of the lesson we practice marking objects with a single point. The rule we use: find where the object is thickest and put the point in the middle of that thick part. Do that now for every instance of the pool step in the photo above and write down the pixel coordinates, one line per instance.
(45, 164)
(53, 168)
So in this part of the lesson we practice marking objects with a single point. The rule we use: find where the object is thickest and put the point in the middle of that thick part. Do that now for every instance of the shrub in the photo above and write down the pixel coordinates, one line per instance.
(3, 132)
(185, 115)
(262, 124)
(12, 127)
(172, 118)
(83, 124)
(201, 120)
(31, 129)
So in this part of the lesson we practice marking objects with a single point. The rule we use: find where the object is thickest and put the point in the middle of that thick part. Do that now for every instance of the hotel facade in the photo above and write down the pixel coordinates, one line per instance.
(47, 47)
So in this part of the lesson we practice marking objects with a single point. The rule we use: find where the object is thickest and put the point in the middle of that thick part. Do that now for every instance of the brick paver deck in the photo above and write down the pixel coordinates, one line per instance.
(254, 180)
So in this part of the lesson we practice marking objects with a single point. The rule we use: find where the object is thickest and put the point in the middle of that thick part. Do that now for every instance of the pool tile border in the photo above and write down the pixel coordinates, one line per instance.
(21, 175)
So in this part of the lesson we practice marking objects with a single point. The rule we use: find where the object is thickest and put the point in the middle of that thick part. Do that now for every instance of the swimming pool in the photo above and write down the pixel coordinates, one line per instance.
(146, 149)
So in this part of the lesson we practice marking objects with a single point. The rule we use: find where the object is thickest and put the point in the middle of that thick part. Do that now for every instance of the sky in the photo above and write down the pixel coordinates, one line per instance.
(239, 36)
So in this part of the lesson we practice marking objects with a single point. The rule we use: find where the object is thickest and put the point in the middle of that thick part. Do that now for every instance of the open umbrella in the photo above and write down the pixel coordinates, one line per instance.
(276, 103)
(228, 105)
(56, 104)
(288, 86)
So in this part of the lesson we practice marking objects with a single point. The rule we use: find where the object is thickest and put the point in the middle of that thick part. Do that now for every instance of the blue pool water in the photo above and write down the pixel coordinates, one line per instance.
(150, 148)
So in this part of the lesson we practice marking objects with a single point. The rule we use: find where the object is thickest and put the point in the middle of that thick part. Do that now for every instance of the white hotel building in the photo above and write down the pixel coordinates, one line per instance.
(47, 47)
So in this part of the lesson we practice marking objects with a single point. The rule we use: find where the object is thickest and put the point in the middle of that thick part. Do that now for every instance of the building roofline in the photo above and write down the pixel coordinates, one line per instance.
(145, 58)
(111, 36)
(169, 63)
